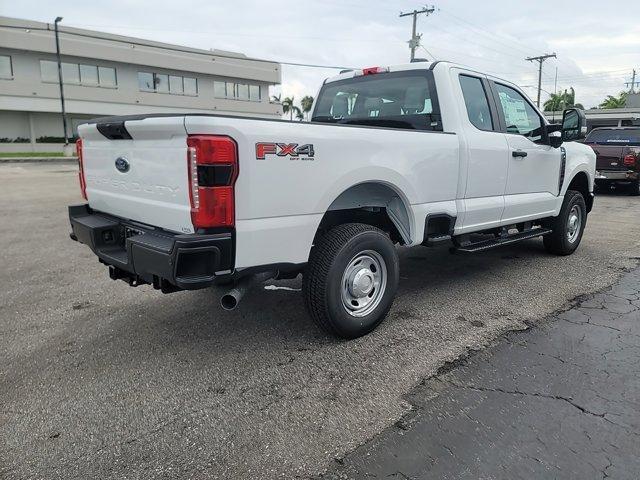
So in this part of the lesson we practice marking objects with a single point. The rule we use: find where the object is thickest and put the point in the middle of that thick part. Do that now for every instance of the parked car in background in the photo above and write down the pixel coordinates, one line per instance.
(617, 157)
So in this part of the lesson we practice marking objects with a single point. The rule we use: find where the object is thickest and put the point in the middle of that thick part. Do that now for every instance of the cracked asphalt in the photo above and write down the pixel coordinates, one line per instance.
(100, 380)
(559, 401)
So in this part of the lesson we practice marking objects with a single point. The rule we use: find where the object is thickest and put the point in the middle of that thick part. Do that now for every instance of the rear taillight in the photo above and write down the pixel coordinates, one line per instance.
(213, 169)
(83, 182)
(629, 160)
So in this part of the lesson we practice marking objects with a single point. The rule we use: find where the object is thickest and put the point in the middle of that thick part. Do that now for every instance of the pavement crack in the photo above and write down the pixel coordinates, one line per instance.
(604, 470)
(568, 400)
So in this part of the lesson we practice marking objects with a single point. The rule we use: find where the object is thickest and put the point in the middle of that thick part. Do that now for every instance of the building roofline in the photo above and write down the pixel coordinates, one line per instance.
(23, 24)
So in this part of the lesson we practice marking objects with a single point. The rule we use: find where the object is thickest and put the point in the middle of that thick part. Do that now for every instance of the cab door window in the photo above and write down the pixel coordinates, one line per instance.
(476, 101)
(520, 117)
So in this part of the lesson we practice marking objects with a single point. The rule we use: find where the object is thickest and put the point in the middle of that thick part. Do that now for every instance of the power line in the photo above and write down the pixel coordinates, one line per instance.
(491, 36)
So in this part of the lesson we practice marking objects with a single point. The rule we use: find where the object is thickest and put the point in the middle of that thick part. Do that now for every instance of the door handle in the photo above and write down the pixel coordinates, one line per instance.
(518, 153)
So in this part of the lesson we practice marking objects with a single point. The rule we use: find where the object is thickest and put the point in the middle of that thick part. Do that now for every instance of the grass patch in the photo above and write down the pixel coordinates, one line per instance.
(30, 154)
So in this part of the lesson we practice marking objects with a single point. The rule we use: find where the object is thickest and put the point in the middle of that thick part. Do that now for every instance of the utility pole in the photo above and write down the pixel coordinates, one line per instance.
(415, 38)
(633, 82)
(64, 113)
(540, 59)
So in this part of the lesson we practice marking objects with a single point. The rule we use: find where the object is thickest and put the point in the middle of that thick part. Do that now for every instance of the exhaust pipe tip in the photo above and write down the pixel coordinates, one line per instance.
(229, 302)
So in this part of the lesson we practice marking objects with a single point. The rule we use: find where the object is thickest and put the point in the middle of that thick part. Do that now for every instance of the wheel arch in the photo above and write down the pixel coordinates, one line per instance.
(580, 183)
(375, 202)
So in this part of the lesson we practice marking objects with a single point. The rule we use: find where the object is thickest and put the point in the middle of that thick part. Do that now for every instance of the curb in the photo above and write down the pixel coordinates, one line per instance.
(39, 160)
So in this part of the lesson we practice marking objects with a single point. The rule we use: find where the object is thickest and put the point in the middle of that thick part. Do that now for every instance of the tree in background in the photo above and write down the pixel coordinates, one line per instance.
(289, 107)
(615, 102)
(559, 101)
(306, 103)
(276, 98)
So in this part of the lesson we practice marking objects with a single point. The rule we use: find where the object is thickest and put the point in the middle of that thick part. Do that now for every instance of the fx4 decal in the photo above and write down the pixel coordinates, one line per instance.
(284, 149)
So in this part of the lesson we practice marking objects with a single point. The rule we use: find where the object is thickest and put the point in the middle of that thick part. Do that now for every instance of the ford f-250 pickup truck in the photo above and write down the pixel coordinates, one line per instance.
(413, 155)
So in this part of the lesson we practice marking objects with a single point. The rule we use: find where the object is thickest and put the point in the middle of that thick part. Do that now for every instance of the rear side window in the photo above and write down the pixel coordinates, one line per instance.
(405, 100)
(476, 101)
(613, 136)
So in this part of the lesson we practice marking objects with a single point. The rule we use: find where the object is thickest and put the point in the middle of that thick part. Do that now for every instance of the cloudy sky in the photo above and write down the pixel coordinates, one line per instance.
(597, 43)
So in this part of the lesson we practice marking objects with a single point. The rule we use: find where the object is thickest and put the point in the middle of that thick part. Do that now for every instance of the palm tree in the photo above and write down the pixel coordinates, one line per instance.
(559, 101)
(290, 108)
(615, 102)
(306, 103)
(276, 98)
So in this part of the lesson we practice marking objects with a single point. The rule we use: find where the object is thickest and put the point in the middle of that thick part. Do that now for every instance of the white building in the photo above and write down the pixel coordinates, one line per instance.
(105, 74)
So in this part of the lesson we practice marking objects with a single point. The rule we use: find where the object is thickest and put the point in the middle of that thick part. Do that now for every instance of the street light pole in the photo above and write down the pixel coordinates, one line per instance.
(64, 113)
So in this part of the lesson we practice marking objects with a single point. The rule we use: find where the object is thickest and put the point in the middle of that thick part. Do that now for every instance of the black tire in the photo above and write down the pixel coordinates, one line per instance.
(635, 188)
(559, 242)
(323, 278)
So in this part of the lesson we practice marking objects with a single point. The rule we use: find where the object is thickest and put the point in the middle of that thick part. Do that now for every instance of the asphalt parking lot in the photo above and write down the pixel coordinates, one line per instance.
(100, 380)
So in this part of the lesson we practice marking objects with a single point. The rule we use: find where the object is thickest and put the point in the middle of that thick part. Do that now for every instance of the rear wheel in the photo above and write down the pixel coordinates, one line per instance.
(351, 279)
(568, 226)
(635, 188)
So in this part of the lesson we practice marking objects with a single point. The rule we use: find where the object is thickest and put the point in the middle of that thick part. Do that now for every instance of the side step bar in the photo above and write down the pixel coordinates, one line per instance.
(473, 247)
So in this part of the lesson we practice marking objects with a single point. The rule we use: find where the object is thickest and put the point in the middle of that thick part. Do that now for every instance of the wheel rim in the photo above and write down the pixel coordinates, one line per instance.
(574, 223)
(363, 283)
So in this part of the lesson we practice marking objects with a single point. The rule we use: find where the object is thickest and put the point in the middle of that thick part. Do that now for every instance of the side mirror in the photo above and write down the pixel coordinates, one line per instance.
(574, 125)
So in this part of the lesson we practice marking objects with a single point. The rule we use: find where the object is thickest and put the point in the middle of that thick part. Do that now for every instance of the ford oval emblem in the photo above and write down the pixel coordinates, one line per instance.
(122, 164)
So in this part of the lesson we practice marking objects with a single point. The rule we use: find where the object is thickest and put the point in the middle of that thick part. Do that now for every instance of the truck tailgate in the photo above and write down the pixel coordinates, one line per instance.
(144, 178)
(609, 157)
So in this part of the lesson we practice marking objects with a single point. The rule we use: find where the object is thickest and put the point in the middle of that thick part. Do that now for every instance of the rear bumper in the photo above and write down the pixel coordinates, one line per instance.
(616, 175)
(139, 254)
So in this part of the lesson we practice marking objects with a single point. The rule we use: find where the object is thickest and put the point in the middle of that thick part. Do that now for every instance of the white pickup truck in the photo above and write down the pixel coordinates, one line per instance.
(412, 155)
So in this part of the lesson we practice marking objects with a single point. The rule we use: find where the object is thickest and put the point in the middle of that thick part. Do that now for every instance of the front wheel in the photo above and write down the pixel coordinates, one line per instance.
(568, 226)
(351, 279)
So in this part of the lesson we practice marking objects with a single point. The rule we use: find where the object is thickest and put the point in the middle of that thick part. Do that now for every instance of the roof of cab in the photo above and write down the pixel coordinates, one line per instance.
(416, 65)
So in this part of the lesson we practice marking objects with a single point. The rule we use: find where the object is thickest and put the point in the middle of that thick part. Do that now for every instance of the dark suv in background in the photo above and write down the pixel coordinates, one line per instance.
(618, 156)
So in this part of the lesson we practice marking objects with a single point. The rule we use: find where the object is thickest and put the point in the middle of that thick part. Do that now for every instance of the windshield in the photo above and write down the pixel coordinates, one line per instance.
(630, 136)
(396, 100)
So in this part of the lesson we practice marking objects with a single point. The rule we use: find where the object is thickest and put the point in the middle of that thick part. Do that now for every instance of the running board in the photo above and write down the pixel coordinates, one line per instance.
(498, 242)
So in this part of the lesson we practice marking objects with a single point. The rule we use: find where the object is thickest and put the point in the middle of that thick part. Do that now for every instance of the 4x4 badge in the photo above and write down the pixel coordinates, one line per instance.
(283, 149)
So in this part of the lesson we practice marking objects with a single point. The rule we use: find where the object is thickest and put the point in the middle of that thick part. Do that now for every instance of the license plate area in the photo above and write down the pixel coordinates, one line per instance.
(131, 232)
(128, 232)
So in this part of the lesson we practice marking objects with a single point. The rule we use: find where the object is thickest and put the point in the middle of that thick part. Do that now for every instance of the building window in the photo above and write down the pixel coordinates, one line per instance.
(73, 73)
(254, 93)
(107, 77)
(175, 85)
(190, 86)
(89, 74)
(219, 89)
(162, 83)
(236, 91)
(70, 73)
(243, 91)
(145, 82)
(6, 69)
